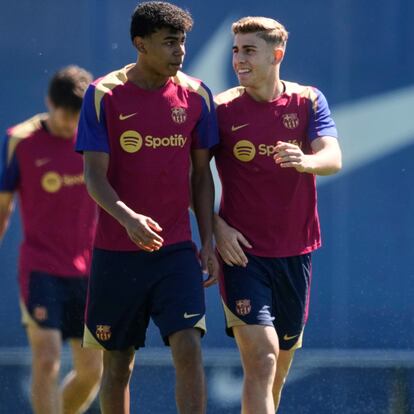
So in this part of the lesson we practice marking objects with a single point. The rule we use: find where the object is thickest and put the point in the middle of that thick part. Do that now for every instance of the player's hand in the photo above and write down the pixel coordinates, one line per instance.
(209, 264)
(289, 155)
(142, 230)
(229, 243)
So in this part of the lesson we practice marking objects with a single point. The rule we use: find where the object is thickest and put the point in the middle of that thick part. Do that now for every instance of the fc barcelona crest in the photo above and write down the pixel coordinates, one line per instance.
(40, 313)
(103, 332)
(243, 307)
(179, 115)
(290, 121)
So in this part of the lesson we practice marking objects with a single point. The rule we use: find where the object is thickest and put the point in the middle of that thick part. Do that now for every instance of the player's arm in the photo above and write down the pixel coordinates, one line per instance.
(6, 208)
(9, 181)
(326, 158)
(141, 229)
(229, 242)
(202, 188)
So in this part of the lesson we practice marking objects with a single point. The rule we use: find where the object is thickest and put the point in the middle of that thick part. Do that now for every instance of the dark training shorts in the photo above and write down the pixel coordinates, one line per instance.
(55, 302)
(128, 288)
(269, 291)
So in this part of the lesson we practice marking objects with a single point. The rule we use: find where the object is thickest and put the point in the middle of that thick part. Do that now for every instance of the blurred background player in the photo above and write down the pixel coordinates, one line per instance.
(140, 129)
(275, 137)
(59, 220)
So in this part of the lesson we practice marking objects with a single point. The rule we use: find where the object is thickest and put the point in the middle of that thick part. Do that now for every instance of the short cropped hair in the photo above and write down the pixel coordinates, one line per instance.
(268, 29)
(68, 86)
(148, 17)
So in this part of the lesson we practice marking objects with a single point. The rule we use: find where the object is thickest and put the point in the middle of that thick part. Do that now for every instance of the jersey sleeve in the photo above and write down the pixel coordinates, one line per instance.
(9, 167)
(92, 134)
(205, 134)
(320, 121)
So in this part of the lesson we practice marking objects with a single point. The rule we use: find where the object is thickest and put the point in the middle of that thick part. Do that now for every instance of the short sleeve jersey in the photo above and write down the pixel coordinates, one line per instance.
(275, 208)
(58, 215)
(148, 135)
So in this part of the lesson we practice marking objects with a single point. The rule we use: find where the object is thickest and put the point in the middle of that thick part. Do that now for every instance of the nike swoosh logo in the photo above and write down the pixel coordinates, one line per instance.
(237, 127)
(41, 161)
(190, 315)
(122, 117)
(288, 338)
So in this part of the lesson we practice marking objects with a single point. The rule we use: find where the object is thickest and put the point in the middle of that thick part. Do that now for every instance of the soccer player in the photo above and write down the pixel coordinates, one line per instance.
(275, 137)
(38, 162)
(141, 129)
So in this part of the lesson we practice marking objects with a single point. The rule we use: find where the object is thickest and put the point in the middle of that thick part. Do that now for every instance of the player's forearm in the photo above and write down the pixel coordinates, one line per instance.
(327, 161)
(106, 197)
(203, 203)
(6, 208)
(4, 222)
(217, 223)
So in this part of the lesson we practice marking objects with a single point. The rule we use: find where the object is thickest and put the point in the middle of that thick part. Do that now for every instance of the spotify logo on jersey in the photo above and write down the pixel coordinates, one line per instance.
(51, 182)
(244, 150)
(131, 141)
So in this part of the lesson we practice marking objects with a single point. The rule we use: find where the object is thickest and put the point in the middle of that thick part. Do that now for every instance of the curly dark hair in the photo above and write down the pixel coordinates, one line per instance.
(67, 87)
(148, 17)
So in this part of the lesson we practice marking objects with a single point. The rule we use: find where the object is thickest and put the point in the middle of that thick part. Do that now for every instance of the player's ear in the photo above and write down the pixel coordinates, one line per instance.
(278, 54)
(139, 44)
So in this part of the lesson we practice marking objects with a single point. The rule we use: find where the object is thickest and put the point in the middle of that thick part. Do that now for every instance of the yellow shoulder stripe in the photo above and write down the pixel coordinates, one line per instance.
(229, 95)
(195, 86)
(106, 84)
(22, 131)
(303, 91)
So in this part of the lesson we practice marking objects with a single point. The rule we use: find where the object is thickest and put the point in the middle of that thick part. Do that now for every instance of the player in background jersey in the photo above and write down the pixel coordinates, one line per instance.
(141, 129)
(38, 163)
(275, 137)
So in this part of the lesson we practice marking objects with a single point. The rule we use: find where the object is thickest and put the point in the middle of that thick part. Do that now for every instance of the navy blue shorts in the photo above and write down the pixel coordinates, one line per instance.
(127, 288)
(269, 291)
(56, 302)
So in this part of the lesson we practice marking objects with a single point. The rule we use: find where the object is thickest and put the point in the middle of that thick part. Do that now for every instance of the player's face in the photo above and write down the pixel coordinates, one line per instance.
(63, 122)
(165, 51)
(253, 60)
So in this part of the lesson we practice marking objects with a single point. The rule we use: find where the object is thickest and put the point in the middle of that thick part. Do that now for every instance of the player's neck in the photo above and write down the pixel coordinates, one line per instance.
(146, 78)
(51, 127)
(266, 92)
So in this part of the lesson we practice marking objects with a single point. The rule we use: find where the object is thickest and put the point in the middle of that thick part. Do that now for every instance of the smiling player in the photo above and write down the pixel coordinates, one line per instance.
(275, 136)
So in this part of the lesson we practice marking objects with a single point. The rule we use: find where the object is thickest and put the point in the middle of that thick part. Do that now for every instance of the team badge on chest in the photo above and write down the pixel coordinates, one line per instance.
(178, 115)
(290, 121)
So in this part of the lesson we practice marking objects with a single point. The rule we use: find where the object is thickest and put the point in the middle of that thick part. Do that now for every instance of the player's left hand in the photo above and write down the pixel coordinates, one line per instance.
(289, 155)
(209, 264)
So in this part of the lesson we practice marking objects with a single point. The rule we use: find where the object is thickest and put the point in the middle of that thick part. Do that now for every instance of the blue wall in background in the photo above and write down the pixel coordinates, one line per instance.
(356, 52)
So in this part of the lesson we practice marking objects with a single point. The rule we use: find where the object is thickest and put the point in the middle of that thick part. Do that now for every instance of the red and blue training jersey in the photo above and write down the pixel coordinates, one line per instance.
(58, 216)
(148, 135)
(275, 208)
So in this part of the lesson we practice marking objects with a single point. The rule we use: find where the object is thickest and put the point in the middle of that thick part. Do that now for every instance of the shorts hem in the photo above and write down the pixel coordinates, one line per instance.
(229, 327)
(92, 345)
(295, 346)
(166, 336)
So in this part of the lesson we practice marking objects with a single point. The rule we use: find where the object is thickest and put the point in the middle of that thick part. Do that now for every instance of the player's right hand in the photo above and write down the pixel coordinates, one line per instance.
(209, 264)
(142, 231)
(228, 243)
